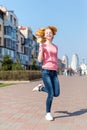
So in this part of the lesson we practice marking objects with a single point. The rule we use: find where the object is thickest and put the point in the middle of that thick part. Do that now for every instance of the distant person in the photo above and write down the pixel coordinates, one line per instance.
(80, 71)
(48, 52)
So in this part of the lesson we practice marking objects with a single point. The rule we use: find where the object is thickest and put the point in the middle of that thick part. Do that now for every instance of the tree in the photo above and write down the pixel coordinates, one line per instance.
(7, 63)
(33, 63)
(17, 65)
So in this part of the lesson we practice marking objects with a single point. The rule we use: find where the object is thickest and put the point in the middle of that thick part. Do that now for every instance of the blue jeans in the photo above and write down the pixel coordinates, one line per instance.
(52, 87)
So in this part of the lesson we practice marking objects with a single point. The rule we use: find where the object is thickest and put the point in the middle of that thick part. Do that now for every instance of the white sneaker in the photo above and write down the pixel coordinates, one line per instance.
(37, 88)
(49, 117)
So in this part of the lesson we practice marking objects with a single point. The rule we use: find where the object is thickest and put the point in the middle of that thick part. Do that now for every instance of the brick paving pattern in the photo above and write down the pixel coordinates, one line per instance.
(22, 109)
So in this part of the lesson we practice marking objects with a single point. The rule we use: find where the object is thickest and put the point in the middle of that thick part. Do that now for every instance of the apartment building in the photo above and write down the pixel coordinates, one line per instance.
(16, 41)
(8, 25)
(75, 62)
(26, 44)
(65, 61)
(2, 14)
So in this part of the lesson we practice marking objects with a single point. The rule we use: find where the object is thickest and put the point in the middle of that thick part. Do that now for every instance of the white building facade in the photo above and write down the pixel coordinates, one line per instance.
(83, 68)
(65, 61)
(75, 62)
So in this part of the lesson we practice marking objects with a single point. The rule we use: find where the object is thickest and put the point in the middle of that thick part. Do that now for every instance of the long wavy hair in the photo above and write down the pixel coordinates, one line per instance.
(41, 32)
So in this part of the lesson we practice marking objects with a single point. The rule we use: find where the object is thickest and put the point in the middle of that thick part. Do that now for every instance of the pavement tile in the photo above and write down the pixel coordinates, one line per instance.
(22, 109)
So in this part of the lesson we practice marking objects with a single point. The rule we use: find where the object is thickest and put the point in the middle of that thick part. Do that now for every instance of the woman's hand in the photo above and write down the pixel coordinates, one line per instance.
(40, 54)
(39, 39)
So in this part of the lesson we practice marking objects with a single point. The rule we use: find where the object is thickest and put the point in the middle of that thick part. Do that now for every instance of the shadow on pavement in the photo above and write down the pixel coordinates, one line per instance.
(70, 114)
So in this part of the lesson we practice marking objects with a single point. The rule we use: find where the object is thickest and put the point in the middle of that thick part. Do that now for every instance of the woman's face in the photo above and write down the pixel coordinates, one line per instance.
(48, 34)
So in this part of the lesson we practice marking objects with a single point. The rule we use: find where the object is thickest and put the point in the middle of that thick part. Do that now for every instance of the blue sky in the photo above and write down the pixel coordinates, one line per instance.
(69, 16)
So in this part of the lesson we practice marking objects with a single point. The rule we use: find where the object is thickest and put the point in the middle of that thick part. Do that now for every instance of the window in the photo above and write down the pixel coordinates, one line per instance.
(0, 40)
(13, 46)
(22, 40)
(26, 50)
(14, 34)
(7, 43)
(11, 18)
(8, 30)
(0, 50)
(21, 48)
(16, 47)
(1, 14)
(14, 21)
(0, 27)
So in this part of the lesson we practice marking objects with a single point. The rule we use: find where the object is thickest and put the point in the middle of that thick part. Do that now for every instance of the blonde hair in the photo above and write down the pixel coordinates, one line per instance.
(41, 32)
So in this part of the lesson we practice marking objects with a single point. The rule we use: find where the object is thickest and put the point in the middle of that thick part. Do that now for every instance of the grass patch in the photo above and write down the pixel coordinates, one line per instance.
(4, 85)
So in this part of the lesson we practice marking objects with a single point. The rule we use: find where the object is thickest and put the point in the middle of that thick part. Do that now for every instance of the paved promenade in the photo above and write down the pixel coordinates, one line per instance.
(22, 109)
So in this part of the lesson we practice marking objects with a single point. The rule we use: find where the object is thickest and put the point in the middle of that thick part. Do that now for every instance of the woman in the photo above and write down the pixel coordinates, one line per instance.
(48, 55)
